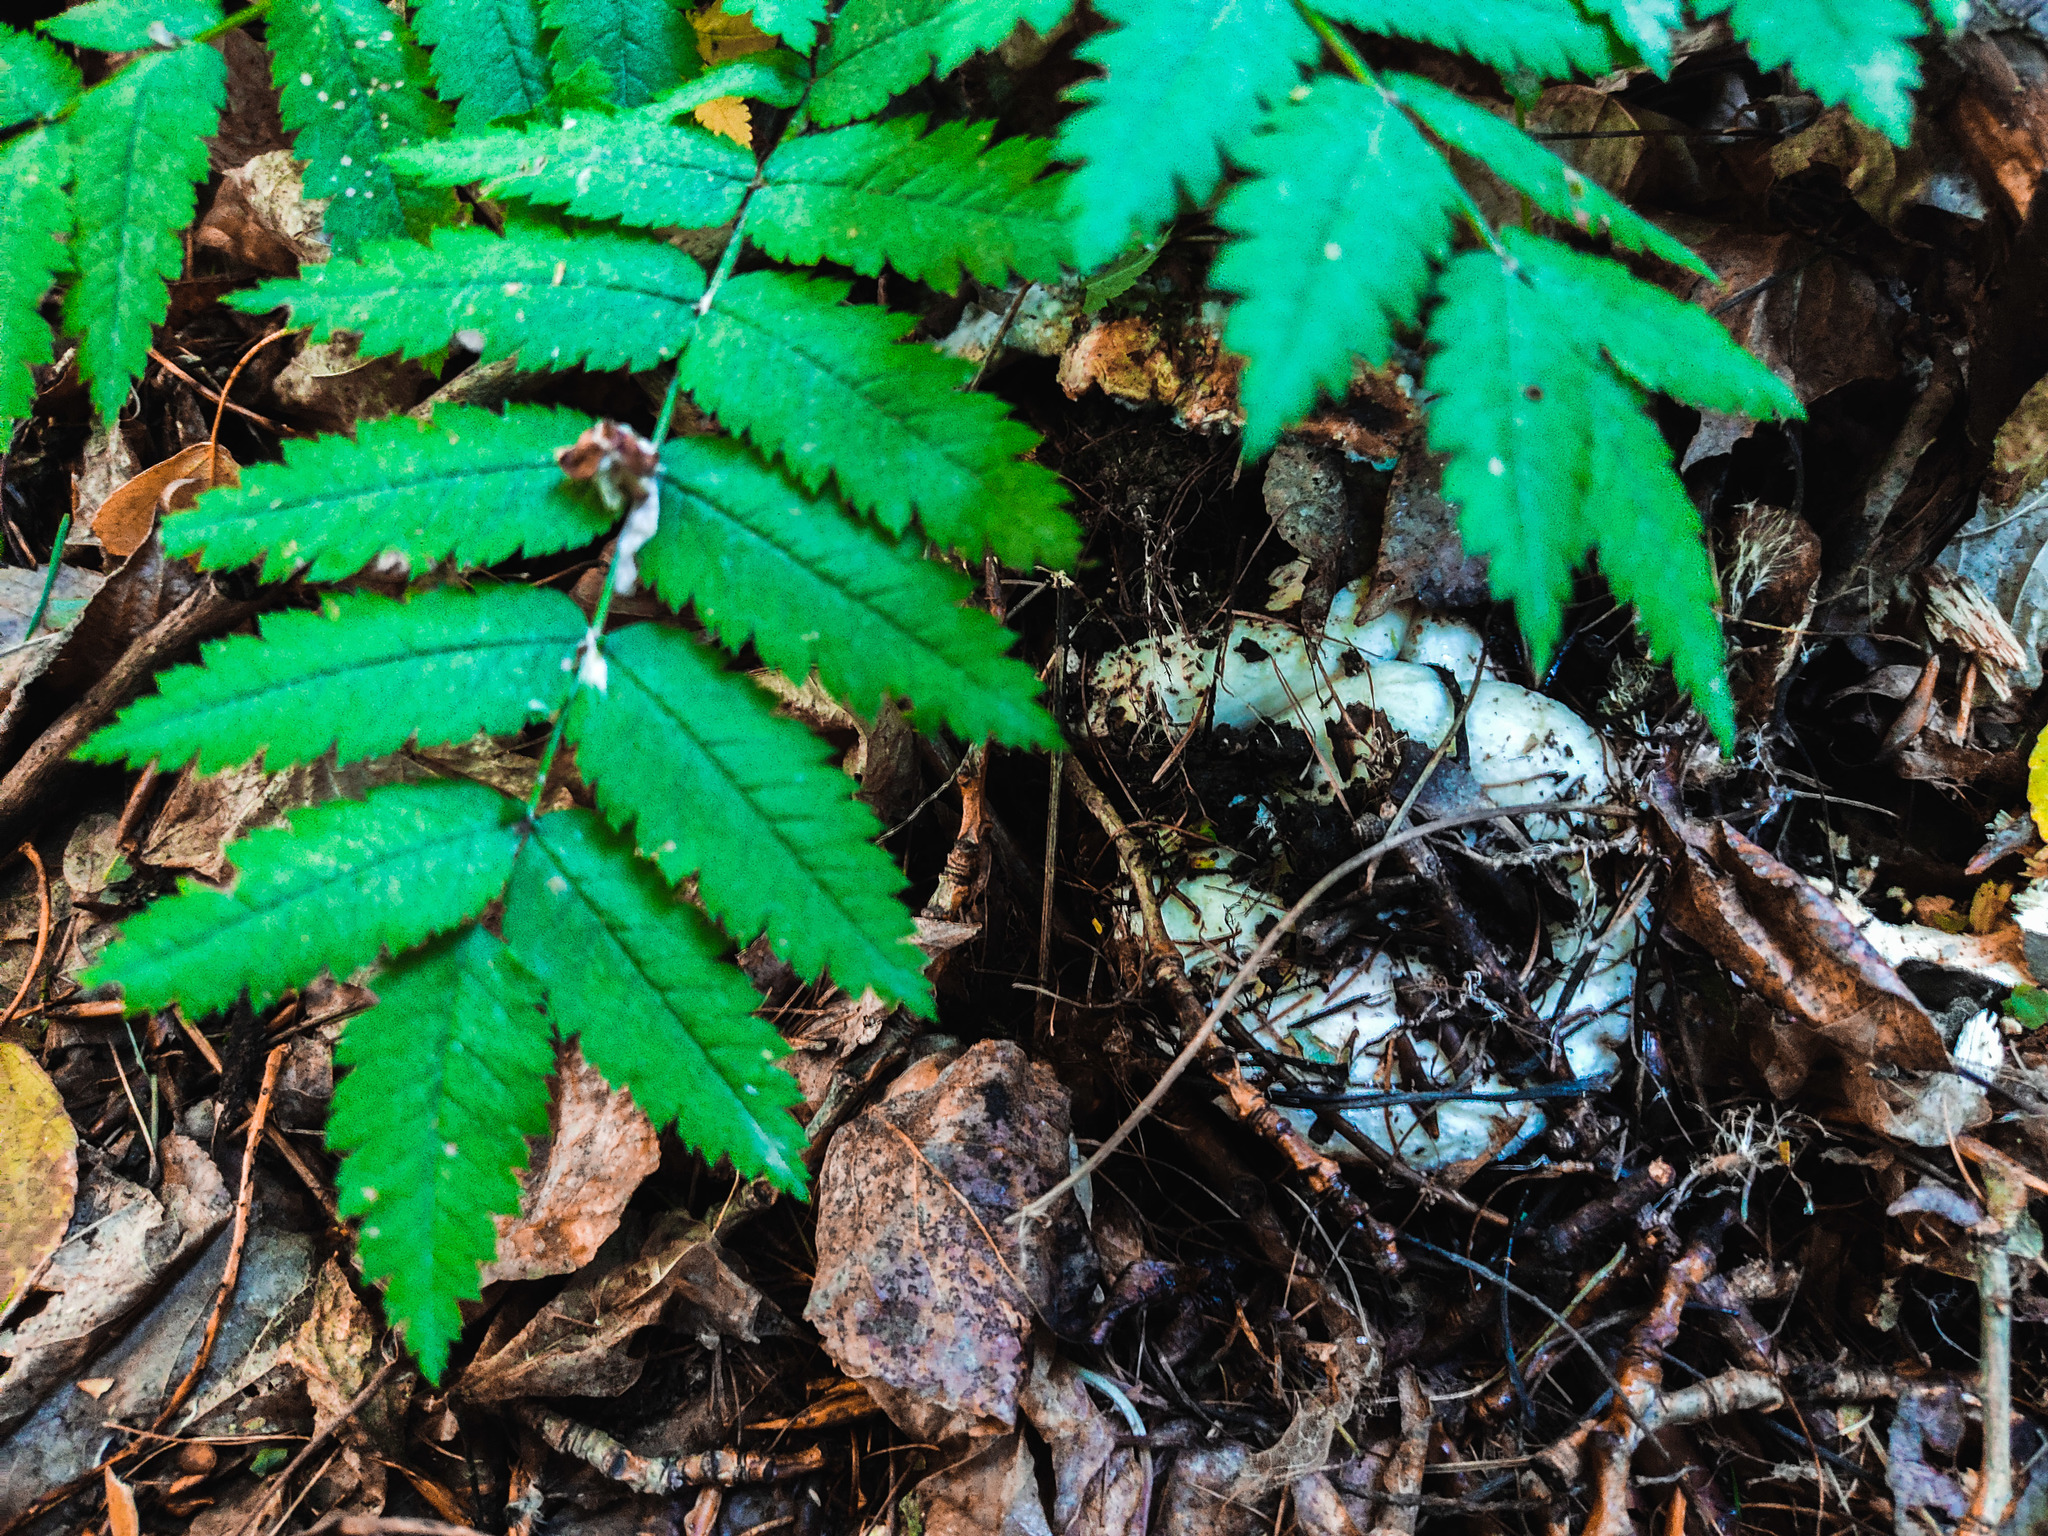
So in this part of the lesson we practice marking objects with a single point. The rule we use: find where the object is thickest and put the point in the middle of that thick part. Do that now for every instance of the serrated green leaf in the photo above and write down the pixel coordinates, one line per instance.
(826, 385)
(472, 486)
(711, 782)
(1548, 38)
(762, 560)
(1185, 82)
(925, 204)
(440, 668)
(488, 53)
(33, 211)
(1535, 172)
(1347, 212)
(1645, 25)
(558, 298)
(646, 48)
(880, 47)
(35, 79)
(344, 881)
(1510, 412)
(1518, 378)
(796, 22)
(639, 169)
(115, 25)
(353, 84)
(1653, 551)
(644, 981)
(1857, 53)
(774, 75)
(138, 141)
(1660, 341)
(447, 1078)
(1953, 15)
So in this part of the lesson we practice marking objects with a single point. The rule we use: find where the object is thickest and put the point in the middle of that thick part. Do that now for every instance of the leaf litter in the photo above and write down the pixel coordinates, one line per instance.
(1659, 1164)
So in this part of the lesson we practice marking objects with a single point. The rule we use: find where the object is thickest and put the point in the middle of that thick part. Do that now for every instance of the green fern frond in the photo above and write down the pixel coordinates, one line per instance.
(1185, 82)
(33, 211)
(927, 204)
(343, 882)
(774, 75)
(471, 486)
(640, 169)
(1662, 342)
(880, 47)
(1547, 38)
(114, 26)
(556, 298)
(353, 84)
(1645, 25)
(646, 48)
(829, 387)
(139, 142)
(796, 22)
(1348, 210)
(35, 79)
(489, 54)
(696, 762)
(447, 1078)
(762, 560)
(1554, 187)
(645, 982)
(440, 668)
(1854, 53)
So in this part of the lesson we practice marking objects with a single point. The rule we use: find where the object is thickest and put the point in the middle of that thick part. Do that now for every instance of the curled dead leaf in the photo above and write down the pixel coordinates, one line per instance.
(125, 518)
(38, 1172)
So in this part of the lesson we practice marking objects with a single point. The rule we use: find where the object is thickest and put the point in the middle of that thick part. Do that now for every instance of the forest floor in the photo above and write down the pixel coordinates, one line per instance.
(1656, 1164)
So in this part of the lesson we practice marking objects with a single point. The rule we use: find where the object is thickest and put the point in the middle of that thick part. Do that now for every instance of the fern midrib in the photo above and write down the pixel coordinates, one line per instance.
(424, 481)
(133, 233)
(945, 199)
(778, 832)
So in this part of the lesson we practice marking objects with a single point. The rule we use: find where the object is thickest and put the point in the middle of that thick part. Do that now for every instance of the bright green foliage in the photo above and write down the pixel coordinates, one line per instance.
(1661, 342)
(640, 169)
(558, 299)
(1857, 53)
(111, 25)
(646, 48)
(473, 486)
(1185, 83)
(774, 75)
(880, 47)
(1337, 234)
(138, 145)
(1545, 37)
(447, 1078)
(35, 79)
(1953, 15)
(695, 760)
(1645, 25)
(353, 85)
(926, 204)
(764, 561)
(33, 170)
(1551, 185)
(488, 53)
(641, 978)
(826, 385)
(796, 22)
(344, 881)
(361, 677)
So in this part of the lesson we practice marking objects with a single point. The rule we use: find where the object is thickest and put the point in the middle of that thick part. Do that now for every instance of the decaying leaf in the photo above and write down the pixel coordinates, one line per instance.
(1099, 1486)
(991, 1491)
(572, 1193)
(334, 1353)
(124, 520)
(38, 1172)
(926, 1286)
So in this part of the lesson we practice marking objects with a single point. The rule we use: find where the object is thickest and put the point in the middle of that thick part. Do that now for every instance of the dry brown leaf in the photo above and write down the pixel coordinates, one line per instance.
(993, 1491)
(262, 217)
(572, 1195)
(38, 1172)
(95, 1387)
(926, 1287)
(1098, 1485)
(730, 116)
(1799, 953)
(124, 520)
(123, 1518)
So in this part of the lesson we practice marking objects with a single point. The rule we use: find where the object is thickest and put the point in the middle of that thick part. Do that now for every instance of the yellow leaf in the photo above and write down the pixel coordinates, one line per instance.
(729, 115)
(2037, 783)
(38, 1171)
(722, 37)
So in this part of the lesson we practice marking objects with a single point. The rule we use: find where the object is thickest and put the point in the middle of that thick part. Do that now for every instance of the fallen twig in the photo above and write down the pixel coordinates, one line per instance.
(35, 961)
(1402, 1481)
(321, 1436)
(2006, 1203)
(662, 1474)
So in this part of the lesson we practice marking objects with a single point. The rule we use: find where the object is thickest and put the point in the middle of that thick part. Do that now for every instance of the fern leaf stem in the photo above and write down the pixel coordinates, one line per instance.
(1333, 40)
(241, 18)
